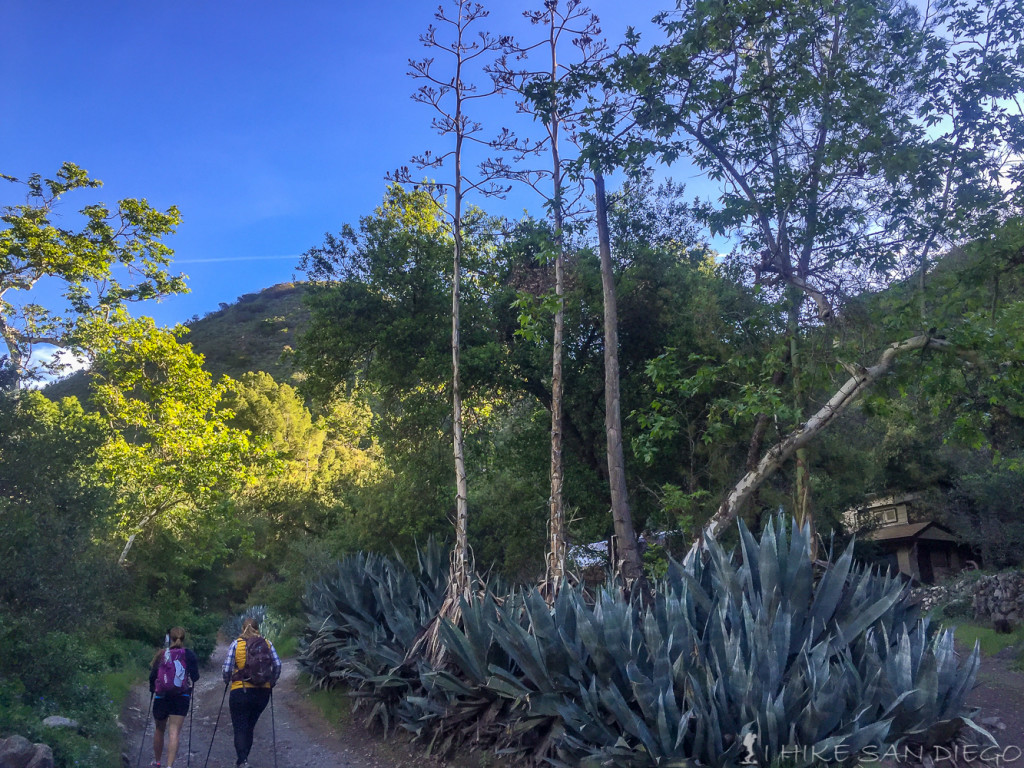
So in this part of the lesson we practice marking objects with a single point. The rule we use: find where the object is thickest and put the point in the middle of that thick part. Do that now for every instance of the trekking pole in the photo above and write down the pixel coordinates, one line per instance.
(191, 712)
(144, 729)
(216, 723)
(273, 728)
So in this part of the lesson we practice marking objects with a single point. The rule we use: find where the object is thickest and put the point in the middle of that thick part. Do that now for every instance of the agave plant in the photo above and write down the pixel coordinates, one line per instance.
(362, 622)
(920, 683)
(271, 625)
(759, 646)
(458, 705)
(744, 654)
(508, 672)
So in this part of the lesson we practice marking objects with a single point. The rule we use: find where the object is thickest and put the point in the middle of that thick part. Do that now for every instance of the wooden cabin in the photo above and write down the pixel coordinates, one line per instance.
(910, 540)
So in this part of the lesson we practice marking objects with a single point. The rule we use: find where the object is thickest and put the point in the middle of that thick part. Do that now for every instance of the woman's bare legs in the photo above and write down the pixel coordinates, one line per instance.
(158, 739)
(173, 731)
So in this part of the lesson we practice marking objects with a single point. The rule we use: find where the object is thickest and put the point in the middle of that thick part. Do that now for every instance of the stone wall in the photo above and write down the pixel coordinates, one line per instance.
(955, 591)
(996, 598)
(1000, 599)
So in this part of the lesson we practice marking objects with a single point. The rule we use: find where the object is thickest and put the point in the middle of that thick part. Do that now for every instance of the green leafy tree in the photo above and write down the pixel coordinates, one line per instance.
(298, 506)
(379, 308)
(174, 461)
(954, 435)
(682, 317)
(317, 458)
(116, 257)
(851, 141)
(276, 413)
(54, 514)
(61, 592)
(380, 323)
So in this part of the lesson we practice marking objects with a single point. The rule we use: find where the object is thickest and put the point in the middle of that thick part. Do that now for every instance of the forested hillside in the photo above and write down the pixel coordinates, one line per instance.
(259, 332)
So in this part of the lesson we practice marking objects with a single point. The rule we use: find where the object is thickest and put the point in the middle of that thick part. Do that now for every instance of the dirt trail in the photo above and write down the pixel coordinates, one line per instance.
(304, 738)
(999, 692)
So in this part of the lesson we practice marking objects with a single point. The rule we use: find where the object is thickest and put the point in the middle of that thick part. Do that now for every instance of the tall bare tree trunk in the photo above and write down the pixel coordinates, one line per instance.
(438, 93)
(460, 557)
(556, 549)
(803, 503)
(573, 24)
(460, 568)
(556, 523)
(628, 553)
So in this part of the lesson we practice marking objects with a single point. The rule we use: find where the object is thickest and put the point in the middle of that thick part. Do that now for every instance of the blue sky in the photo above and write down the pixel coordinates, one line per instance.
(266, 123)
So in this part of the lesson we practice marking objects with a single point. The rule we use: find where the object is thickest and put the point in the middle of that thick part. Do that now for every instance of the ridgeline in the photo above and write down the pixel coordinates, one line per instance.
(257, 333)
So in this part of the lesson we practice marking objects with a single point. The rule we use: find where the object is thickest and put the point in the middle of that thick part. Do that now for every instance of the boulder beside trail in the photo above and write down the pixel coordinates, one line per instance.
(19, 752)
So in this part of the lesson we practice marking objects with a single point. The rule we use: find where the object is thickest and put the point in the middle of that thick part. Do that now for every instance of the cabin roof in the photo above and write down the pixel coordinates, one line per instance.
(929, 530)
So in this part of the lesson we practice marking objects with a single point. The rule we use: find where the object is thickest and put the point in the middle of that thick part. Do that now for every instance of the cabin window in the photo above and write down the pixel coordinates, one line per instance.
(889, 515)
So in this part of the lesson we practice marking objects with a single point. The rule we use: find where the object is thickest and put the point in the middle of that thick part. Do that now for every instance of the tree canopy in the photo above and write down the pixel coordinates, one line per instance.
(115, 258)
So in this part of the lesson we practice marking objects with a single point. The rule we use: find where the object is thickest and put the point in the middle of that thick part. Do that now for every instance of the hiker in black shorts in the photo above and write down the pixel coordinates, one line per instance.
(172, 674)
(251, 667)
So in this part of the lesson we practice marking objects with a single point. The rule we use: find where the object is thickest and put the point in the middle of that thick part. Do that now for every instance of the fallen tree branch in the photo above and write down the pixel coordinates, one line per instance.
(861, 379)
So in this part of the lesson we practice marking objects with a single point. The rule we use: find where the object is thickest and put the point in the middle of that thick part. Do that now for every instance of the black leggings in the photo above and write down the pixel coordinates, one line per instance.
(246, 705)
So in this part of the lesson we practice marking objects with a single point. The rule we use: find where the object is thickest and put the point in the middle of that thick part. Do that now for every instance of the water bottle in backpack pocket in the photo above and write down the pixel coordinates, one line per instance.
(172, 674)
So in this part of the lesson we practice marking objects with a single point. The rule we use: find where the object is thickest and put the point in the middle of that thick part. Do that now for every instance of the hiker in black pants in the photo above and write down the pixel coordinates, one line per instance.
(252, 667)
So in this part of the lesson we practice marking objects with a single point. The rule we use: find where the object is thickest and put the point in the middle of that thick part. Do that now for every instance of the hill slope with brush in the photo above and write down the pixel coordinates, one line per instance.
(256, 333)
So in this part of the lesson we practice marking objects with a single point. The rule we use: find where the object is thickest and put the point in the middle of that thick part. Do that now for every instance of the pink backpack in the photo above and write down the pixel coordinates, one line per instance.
(172, 674)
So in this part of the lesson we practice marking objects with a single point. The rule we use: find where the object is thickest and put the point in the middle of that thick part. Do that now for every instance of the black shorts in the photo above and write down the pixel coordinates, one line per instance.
(175, 704)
